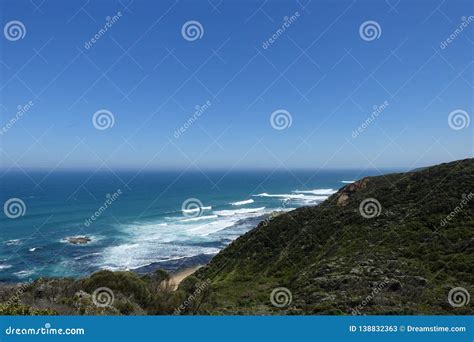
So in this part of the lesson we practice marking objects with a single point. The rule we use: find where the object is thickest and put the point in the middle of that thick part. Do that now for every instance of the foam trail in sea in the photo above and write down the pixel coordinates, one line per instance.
(181, 238)
(249, 201)
(304, 197)
(200, 218)
(289, 196)
(316, 191)
(239, 211)
(194, 210)
(5, 266)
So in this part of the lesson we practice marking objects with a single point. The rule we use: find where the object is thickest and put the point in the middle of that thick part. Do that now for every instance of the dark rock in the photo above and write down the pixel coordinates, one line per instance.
(79, 240)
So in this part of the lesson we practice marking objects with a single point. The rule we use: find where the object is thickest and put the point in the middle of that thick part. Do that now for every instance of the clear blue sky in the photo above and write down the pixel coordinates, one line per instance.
(320, 70)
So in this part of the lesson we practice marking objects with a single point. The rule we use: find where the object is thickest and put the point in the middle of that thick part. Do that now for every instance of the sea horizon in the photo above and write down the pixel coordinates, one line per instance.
(237, 158)
(145, 225)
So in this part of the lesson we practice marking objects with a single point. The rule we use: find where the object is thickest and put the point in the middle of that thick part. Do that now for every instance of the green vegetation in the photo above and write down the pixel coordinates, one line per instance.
(332, 259)
(126, 294)
(15, 307)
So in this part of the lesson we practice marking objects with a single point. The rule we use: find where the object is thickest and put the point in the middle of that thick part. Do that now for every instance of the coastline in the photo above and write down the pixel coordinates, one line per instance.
(178, 277)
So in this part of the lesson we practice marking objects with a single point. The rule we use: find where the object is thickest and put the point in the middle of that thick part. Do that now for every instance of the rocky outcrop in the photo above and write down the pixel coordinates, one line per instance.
(78, 240)
(345, 193)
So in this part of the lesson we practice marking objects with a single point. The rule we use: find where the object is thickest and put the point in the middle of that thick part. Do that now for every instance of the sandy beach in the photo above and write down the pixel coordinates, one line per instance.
(178, 277)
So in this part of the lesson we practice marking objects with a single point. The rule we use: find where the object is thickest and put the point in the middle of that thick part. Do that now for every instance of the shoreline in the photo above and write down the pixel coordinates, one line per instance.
(178, 268)
(177, 277)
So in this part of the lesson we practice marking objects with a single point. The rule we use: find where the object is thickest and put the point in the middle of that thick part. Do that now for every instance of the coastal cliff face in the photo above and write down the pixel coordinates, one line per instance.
(393, 244)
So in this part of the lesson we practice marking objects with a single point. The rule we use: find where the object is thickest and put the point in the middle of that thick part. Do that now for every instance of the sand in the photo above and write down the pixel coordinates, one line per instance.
(178, 277)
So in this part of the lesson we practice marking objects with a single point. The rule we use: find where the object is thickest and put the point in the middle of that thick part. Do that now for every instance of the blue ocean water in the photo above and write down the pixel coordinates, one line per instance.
(135, 219)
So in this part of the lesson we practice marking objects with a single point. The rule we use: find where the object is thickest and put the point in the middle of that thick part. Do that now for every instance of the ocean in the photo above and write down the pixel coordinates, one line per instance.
(141, 220)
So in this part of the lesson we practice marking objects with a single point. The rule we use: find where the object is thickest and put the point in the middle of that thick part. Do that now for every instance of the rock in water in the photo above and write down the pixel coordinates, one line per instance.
(79, 240)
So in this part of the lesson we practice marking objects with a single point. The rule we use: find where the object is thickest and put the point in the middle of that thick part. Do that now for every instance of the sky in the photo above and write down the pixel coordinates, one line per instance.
(285, 84)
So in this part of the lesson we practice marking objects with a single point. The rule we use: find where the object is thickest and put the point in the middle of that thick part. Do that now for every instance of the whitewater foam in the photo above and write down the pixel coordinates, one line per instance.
(24, 273)
(194, 210)
(238, 211)
(200, 218)
(249, 201)
(316, 191)
(299, 197)
(182, 237)
(14, 242)
(286, 196)
(5, 266)
(149, 243)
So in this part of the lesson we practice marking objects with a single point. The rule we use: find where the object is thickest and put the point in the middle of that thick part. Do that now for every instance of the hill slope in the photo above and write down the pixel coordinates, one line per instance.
(402, 257)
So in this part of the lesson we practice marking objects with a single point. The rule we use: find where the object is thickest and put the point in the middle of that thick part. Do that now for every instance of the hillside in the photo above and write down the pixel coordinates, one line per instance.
(333, 260)
(401, 252)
